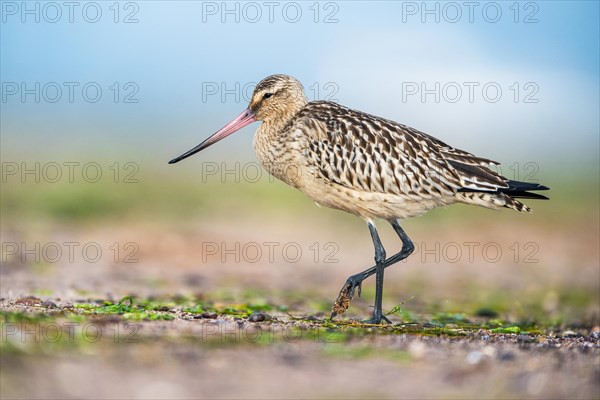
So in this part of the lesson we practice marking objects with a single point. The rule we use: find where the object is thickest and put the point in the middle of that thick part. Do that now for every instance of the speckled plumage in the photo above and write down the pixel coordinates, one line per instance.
(363, 164)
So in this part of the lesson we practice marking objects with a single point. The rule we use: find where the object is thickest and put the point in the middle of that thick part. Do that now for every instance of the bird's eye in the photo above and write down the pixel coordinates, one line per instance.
(267, 95)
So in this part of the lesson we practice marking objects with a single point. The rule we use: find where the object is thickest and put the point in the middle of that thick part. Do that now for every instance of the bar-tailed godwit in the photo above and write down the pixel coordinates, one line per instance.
(366, 165)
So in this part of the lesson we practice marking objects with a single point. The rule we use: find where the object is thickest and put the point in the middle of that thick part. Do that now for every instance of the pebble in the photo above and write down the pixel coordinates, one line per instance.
(486, 312)
(484, 334)
(477, 356)
(209, 315)
(474, 357)
(506, 356)
(29, 301)
(525, 338)
(49, 304)
(258, 317)
(569, 334)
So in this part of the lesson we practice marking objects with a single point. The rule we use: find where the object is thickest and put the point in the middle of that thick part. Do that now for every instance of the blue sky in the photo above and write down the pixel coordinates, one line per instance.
(544, 57)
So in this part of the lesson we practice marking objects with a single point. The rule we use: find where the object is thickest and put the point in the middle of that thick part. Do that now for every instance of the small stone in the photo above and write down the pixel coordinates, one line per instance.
(162, 308)
(569, 334)
(258, 317)
(209, 315)
(49, 304)
(595, 333)
(29, 301)
(506, 356)
(486, 313)
(525, 338)
(474, 357)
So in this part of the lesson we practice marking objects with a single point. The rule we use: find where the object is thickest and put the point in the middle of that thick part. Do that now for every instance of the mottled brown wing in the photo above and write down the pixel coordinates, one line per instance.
(368, 153)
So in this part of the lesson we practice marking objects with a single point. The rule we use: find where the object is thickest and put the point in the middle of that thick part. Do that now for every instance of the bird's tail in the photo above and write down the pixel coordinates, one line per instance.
(522, 190)
(504, 197)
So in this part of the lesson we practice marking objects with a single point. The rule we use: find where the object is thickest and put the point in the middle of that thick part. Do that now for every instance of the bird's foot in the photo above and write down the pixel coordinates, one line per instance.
(352, 285)
(376, 320)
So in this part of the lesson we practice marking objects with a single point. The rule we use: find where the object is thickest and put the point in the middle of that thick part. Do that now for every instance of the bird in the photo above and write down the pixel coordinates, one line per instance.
(369, 166)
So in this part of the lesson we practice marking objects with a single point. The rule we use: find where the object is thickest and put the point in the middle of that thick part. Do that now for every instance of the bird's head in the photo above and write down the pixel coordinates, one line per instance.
(275, 100)
(277, 97)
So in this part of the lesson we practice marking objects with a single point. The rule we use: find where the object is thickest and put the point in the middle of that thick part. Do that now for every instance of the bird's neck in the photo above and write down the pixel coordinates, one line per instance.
(275, 125)
(272, 143)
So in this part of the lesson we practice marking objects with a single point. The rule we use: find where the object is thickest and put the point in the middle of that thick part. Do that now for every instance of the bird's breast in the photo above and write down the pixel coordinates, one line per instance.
(282, 155)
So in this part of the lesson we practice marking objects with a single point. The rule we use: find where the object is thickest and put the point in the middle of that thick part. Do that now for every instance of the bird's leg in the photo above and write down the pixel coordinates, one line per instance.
(379, 270)
(355, 281)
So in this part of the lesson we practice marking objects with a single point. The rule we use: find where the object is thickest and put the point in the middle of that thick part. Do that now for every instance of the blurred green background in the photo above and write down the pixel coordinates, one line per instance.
(172, 73)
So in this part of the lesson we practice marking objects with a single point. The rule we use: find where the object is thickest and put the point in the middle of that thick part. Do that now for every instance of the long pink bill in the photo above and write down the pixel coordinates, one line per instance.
(245, 118)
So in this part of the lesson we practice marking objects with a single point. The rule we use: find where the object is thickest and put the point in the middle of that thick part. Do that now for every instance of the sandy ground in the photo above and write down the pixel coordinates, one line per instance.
(227, 358)
(220, 363)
